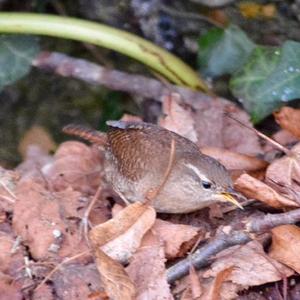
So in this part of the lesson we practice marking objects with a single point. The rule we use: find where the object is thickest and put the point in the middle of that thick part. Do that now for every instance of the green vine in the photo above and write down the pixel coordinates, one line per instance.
(126, 43)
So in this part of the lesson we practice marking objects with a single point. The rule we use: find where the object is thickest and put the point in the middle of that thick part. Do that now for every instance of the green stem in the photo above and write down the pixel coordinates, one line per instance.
(126, 43)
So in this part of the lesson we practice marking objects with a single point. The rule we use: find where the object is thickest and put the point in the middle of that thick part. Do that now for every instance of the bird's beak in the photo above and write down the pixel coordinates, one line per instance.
(228, 197)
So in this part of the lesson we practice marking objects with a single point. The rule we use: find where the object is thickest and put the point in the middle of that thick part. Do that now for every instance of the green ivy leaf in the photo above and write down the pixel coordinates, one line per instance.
(223, 51)
(270, 77)
(16, 55)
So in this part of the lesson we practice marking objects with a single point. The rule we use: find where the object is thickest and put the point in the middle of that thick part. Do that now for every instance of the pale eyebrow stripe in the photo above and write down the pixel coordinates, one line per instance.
(197, 172)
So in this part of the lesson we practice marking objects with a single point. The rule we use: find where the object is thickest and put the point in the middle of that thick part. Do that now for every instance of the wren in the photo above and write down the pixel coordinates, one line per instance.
(137, 156)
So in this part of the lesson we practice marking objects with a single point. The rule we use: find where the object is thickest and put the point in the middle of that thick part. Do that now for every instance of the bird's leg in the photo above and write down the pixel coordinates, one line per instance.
(85, 224)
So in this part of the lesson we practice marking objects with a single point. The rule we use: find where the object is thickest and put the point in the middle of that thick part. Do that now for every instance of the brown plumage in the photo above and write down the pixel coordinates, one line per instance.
(137, 156)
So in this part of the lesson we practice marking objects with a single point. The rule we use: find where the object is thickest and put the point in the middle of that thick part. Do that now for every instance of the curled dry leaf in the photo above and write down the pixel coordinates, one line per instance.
(289, 118)
(250, 266)
(121, 236)
(116, 281)
(284, 174)
(256, 189)
(235, 161)
(285, 245)
(178, 117)
(147, 270)
(174, 236)
(76, 165)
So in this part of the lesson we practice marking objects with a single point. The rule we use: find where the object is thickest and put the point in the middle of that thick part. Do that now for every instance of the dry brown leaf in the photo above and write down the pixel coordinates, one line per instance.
(147, 270)
(39, 136)
(215, 292)
(236, 137)
(227, 291)
(174, 236)
(177, 238)
(204, 122)
(45, 292)
(256, 189)
(45, 220)
(76, 165)
(284, 174)
(251, 265)
(131, 118)
(116, 281)
(289, 119)
(209, 122)
(121, 236)
(195, 284)
(9, 290)
(187, 294)
(284, 137)
(285, 245)
(10, 261)
(31, 167)
(235, 161)
(76, 282)
(178, 117)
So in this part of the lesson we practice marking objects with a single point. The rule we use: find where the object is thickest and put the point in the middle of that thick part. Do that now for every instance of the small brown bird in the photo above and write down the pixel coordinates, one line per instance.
(138, 157)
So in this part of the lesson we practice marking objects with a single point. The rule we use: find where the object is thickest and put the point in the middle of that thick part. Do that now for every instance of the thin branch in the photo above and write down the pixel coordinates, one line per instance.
(224, 240)
(190, 16)
(92, 73)
(269, 221)
(67, 260)
(260, 134)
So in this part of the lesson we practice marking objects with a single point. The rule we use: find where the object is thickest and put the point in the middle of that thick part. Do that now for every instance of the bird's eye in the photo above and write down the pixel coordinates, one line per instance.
(206, 185)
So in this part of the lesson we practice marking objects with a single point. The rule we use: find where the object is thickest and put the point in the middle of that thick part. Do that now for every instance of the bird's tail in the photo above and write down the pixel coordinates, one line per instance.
(91, 135)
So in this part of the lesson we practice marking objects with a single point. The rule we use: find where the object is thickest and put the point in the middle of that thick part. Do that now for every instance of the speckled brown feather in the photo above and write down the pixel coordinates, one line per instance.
(140, 148)
(88, 134)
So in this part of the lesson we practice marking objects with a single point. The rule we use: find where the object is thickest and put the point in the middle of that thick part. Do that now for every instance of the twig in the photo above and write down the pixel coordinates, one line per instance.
(224, 240)
(269, 221)
(8, 190)
(67, 260)
(92, 73)
(203, 255)
(263, 136)
(189, 15)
